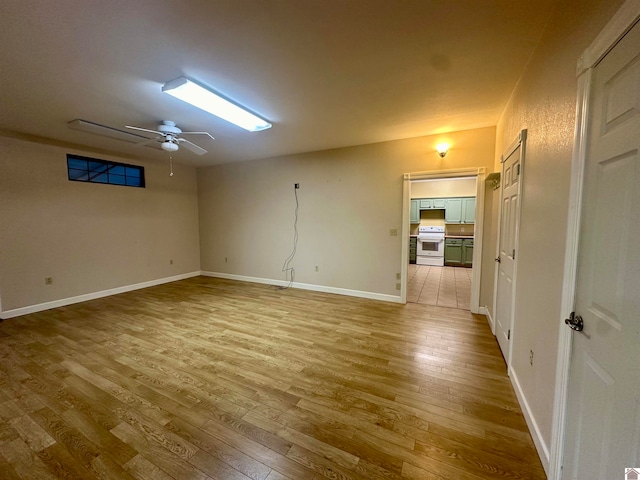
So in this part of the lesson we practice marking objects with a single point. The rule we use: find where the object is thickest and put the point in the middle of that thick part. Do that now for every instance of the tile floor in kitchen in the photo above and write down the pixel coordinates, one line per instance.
(441, 286)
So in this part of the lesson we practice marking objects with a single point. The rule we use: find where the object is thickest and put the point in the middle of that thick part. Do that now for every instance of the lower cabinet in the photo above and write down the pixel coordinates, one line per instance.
(413, 246)
(458, 252)
(453, 252)
(467, 252)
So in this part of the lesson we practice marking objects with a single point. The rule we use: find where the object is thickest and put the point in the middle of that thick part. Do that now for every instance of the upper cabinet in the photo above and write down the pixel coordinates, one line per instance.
(414, 214)
(453, 213)
(456, 210)
(440, 203)
(469, 210)
(460, 210)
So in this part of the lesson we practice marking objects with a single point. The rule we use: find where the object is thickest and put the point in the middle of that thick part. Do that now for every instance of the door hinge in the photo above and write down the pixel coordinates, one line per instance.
(518, 170)
(508, 334)
(513, 255)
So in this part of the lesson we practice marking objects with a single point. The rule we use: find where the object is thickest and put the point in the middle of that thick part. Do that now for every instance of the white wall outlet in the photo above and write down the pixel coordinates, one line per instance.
(48, 280)
(393, 232)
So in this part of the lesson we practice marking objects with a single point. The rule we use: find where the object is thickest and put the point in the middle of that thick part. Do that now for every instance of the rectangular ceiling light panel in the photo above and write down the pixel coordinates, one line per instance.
(190, 92)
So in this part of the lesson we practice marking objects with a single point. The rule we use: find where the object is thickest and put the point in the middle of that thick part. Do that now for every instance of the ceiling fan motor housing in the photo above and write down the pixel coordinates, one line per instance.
(169, 127)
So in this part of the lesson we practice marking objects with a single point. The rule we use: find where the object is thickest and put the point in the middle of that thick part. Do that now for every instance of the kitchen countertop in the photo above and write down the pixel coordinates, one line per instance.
(458, 236)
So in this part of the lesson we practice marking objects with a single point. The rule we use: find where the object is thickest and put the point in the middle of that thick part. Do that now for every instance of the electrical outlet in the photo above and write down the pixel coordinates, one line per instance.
(393, 232)
(296, 186)
(317, 268)
(397, 286)
(48, 280)
(397, 276)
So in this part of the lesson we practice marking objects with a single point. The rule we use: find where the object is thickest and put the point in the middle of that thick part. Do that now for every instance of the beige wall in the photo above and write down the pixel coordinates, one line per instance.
(349, 200)
(459, 187)
(544, 103)
(88, 237)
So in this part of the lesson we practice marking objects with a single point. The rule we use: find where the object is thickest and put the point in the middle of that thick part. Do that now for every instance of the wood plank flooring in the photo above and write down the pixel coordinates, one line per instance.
(440, 286)
(214, 379)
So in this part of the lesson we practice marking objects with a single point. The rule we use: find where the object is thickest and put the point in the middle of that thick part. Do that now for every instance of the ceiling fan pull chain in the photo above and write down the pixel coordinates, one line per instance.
(170, 166)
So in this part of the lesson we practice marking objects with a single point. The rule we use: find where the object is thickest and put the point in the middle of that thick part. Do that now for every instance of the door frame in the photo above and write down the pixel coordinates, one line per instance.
(480, 174)
(519, 142)
(621, 22)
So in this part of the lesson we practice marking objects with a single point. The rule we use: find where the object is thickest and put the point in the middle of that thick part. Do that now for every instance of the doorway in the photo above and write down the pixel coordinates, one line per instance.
(453, 285)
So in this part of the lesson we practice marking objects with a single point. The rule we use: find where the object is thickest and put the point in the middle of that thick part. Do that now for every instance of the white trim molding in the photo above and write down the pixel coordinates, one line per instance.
(622, 21)
(534, 429)
(16, 312)
(306, 286)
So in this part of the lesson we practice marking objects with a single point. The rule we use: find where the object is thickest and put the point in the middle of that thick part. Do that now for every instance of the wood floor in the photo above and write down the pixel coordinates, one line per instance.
(208, 378)
(440, 286)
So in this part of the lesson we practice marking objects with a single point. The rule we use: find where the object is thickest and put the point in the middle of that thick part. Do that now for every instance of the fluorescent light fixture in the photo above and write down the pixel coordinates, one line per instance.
(198, 96)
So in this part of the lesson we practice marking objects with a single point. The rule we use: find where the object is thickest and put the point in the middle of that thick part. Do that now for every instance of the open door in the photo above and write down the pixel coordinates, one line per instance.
(511, 188)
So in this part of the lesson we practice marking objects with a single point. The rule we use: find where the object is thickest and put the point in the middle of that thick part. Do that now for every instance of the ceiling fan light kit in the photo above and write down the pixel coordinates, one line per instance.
(198, 96)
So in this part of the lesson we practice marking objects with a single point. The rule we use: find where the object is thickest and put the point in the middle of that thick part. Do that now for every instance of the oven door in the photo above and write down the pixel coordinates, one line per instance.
(430, 246)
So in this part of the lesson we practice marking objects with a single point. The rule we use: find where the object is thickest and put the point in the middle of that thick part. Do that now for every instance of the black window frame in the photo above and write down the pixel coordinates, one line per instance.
(102, 172)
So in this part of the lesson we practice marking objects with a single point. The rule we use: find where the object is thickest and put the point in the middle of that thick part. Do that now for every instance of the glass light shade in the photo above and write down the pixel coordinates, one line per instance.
(442, 149)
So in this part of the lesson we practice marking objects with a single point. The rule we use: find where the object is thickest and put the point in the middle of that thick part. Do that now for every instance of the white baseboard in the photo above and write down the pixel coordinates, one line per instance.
(92, 296)
(485, 311)
(307, 286)
(541, 446)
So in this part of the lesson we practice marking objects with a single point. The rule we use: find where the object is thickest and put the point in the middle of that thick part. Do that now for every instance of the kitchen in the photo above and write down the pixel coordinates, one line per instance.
(441, 239)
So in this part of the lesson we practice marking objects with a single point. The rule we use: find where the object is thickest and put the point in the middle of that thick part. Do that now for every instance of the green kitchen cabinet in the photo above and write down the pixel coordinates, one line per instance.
(426, 204)
(468, 210)
(453, 252)
(414, 214)
(439, 203)
(413, 249)
(460, 210)
(467, 252)
(453, 212)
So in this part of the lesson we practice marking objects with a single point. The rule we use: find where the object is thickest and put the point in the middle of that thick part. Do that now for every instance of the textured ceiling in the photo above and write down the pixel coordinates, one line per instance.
(326, 73)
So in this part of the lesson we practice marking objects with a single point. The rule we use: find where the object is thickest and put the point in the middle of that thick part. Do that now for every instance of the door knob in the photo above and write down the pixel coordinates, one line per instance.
(575, 322)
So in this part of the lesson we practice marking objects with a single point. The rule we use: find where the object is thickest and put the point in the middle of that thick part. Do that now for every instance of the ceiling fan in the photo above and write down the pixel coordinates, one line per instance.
(170, 137)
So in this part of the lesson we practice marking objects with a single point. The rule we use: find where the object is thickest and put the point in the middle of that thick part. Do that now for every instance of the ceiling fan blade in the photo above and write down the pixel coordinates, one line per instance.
(146, 143)
(144, 130)
(191, 146)
(199, 133)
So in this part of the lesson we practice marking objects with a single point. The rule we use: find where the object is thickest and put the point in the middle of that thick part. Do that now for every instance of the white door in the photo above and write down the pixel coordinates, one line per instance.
(509, 215)
(602, 434)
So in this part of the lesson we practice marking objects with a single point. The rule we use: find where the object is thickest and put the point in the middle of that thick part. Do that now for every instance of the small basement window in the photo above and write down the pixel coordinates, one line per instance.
(85, 169)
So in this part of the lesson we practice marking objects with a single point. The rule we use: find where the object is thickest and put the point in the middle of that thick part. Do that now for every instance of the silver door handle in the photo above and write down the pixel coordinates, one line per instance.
(575, 322)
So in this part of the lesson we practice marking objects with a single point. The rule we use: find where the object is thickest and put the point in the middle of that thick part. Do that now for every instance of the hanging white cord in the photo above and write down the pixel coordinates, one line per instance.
(286, 267)
(170, 165)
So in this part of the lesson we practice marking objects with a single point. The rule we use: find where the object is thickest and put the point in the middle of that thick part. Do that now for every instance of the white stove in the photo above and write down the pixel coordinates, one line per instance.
(430, 246)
